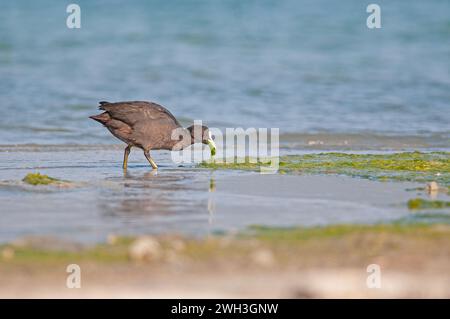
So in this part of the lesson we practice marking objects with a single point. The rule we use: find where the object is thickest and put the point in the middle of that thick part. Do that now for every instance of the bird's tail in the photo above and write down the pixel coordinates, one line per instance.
(102, 118)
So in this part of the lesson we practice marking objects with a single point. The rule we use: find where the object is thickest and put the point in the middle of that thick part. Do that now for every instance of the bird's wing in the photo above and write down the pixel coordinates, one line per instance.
(132, 112)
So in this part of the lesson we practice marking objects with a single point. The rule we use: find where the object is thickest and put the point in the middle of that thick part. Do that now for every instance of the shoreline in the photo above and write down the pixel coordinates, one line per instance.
(289, 142)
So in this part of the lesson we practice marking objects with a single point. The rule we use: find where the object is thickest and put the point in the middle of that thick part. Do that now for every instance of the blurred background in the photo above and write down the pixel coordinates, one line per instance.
(311, 68)
(307, 67)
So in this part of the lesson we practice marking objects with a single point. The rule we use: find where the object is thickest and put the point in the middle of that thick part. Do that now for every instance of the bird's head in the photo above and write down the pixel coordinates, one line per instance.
(201, 134)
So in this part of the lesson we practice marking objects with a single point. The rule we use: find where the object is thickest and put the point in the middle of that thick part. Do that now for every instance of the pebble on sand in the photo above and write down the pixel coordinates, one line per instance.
(145, 248)
(263, 257)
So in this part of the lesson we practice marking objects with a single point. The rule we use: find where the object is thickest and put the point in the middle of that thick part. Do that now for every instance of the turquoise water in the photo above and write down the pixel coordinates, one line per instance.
(306, 67)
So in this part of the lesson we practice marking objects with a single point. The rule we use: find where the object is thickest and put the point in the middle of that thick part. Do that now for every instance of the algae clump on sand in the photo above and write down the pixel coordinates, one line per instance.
(40, 179)
(419, 203)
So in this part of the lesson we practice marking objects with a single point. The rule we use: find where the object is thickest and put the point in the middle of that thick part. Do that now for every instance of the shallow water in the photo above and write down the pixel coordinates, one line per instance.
(186, 200)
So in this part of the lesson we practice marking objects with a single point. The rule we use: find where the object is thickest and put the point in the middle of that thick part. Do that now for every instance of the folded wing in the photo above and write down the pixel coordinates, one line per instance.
(134, 112)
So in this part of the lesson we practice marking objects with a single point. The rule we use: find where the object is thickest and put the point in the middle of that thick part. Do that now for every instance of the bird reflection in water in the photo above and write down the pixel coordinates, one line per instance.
(152, 201)
(146, 175)
(211, 200)
(147, 194)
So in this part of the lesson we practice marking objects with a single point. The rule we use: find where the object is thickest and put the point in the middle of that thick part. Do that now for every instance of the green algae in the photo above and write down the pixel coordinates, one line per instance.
(419, 203)
(299, 234)
(41, 179)
(247, 163)
(407, 166)
(427, 217)
(101, 253)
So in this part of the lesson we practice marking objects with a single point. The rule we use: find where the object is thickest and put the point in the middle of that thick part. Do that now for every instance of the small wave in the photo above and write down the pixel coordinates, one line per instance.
(364, 141)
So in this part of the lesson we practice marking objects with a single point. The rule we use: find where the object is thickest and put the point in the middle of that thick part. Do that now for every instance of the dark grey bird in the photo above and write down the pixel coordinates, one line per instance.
(149, 126)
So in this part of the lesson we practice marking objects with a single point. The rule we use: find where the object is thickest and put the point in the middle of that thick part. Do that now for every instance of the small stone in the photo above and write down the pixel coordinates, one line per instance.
(263, 257)
(8, 253)
(432, 187)
(145, 248)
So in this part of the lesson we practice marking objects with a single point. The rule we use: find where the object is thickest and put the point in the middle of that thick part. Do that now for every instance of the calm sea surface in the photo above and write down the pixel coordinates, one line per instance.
(307, 67)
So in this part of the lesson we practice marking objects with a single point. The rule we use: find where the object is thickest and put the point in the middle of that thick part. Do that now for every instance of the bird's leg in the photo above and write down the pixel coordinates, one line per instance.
(150, 160)
(125, 156)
